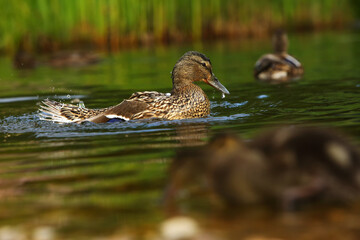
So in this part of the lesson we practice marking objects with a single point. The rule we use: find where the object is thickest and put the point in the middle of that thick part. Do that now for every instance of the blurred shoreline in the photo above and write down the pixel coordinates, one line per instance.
(48, 26)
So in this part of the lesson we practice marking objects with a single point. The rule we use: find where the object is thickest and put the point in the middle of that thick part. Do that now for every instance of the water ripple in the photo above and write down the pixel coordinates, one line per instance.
(32, 98)
(30, 123)
(226, 104)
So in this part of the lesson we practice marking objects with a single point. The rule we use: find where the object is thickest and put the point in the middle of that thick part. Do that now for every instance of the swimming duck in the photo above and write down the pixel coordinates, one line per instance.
(23, 59)
(278, 66)
(284, 168)
(72, 59)
(186, 100)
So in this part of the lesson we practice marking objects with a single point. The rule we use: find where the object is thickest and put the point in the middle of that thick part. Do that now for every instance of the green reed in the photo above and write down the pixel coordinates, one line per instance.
(126, 22)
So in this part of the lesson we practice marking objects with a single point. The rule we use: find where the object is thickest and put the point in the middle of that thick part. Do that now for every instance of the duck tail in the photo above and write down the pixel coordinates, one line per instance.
(67, 113)
(54, 111)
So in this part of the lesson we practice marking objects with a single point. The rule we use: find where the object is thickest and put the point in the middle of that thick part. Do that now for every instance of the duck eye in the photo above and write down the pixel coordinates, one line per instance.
(203, 64)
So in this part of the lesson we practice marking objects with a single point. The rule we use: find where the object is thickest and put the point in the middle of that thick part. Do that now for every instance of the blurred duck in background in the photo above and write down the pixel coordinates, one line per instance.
(73, 59)
(23, 59)
(285, 168)
(63, 59)
(279, 66)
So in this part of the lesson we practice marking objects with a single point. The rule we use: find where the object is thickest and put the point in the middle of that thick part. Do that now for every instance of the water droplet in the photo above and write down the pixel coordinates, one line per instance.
(223, 95)
(68, 96)
(81, 104)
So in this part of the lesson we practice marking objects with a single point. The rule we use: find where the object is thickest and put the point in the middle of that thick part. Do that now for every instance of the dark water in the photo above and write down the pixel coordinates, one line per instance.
(99, 179)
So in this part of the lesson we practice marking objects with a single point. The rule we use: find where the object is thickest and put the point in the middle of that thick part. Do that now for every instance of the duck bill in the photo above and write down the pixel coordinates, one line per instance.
(214, 82)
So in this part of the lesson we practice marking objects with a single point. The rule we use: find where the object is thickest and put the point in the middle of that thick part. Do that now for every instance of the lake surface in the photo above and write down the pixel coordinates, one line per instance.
(98, 180)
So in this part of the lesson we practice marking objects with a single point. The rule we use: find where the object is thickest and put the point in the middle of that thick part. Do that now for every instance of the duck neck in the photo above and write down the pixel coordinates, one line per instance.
(280, 49)
(181, 87)
(280, 44)
(186, 89)
(180, 83)
(281, 53)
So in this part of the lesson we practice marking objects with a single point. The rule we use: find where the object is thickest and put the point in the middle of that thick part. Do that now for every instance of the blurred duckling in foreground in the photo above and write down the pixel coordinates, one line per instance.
(283, 168)
(308, 162)
(278, 66)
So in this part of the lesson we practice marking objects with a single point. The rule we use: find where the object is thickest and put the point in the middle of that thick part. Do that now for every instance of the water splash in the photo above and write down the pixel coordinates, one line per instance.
(30, 123)
(223, 95)
(81, 104)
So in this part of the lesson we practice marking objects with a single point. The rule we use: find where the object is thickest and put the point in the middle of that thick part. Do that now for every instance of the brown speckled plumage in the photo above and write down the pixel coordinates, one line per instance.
(62, 113)
(186, 99)
(278, 66)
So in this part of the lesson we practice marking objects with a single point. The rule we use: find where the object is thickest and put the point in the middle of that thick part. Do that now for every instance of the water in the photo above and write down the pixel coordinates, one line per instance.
(93, 180)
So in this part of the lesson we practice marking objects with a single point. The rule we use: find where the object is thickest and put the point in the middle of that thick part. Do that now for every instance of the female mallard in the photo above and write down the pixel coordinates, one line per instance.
(186, 99)
(278, 66)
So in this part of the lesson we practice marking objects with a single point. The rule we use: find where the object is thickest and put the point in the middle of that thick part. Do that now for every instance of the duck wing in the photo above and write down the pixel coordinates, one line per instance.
(140, 105)
(292, 61)
(266, 62)
(124, 111)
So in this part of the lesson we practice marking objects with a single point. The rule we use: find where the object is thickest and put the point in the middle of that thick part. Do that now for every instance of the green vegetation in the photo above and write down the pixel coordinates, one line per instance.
(44, 24)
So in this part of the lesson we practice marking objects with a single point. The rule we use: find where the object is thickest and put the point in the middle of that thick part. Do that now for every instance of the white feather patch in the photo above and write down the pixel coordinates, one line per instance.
(111, 116)
(279, 75)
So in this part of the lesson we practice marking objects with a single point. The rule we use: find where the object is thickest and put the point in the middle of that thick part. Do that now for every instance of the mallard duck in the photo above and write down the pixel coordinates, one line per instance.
(283, 168)
(72, 59)
(278, 66)
(23, 59)
(186, 100)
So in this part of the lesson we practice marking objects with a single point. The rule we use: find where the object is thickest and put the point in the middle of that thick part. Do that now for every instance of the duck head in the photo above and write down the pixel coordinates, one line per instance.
(194, 66)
